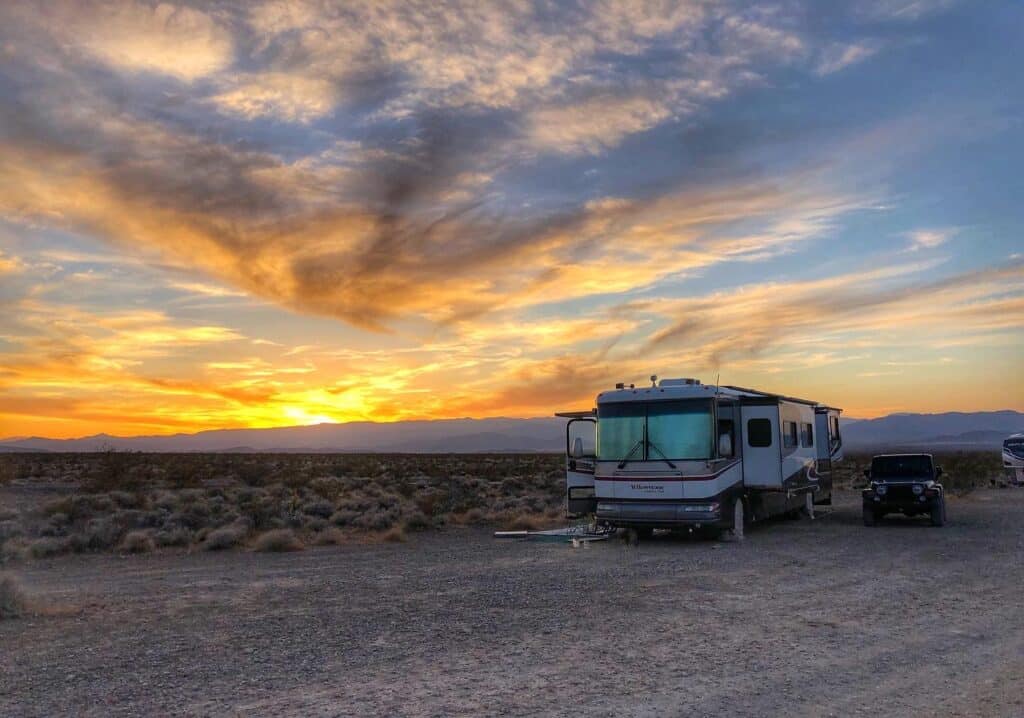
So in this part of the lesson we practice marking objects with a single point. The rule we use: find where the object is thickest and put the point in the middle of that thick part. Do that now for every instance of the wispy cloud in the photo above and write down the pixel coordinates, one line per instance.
(929, 238)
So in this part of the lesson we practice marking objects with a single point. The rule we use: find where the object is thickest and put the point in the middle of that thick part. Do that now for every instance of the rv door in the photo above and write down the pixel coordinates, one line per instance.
(580, 455)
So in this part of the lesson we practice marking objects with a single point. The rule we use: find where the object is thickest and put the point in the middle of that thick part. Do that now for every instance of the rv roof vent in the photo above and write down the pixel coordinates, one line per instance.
(679, 382)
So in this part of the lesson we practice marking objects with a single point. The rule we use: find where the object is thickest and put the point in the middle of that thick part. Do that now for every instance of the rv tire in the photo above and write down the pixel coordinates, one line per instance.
(739, 518)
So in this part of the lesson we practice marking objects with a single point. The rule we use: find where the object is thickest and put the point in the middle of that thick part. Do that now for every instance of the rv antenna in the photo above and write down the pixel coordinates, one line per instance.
(654, 380)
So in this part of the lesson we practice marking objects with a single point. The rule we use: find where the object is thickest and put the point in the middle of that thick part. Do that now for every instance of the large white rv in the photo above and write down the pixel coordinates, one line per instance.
(1013, 459)
(681, 454)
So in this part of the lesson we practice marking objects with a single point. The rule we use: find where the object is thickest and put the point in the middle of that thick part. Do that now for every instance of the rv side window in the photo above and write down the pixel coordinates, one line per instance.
(806, 435)
(789, 434)
(834, 420)
(759, 432)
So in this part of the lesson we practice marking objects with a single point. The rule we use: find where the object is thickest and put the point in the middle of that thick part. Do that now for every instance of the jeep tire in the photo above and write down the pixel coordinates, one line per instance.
(870, 516)
(939, 511)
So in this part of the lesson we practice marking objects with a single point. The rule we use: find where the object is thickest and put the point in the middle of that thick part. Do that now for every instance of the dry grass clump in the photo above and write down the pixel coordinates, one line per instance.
(173, 537)
(330, 537)
(278, 541)
(394, 535)
(47, 547)
(522, 522)
(223, 538)
(137, 542)
(13, 600)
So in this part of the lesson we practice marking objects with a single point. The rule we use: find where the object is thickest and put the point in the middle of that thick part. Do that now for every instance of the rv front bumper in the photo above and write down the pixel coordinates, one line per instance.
(661, 514)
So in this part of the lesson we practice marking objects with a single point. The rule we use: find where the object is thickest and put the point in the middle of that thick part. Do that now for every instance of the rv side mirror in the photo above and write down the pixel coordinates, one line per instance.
(577, 448)
(938, 471)
(867, 473)
(725, 445)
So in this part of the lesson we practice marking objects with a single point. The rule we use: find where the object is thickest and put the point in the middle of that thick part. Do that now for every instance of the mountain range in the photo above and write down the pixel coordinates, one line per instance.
(953, 430)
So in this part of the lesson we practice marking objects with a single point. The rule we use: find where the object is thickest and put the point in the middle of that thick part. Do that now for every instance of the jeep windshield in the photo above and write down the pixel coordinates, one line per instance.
(655, 431)
(901, 467)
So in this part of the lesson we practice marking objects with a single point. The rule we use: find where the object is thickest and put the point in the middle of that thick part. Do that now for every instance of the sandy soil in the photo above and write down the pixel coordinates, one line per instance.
(801, 619)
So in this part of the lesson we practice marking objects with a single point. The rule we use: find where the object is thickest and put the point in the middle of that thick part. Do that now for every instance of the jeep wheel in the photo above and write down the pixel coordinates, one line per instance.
(870, 517)
(939, 511)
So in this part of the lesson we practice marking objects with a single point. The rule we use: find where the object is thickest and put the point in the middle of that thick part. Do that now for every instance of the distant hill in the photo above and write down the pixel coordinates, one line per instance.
(952, 430)
(439, 436)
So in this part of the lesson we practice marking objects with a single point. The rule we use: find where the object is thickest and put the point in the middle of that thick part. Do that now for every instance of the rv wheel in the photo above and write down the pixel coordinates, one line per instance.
(870, 517)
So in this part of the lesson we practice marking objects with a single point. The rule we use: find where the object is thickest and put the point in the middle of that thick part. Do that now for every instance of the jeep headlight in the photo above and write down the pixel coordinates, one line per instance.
(880, 489)
(918, 489)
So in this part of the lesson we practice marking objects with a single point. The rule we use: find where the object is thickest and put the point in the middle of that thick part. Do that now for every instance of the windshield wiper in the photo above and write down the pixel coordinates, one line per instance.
(639, 443)
(667, 460)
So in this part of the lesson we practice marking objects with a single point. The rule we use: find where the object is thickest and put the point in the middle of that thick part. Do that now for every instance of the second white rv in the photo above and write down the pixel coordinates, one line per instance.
(681, 454)
(1013, 459)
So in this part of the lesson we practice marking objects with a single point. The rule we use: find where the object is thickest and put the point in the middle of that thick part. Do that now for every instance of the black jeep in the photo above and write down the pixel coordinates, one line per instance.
(904, 483)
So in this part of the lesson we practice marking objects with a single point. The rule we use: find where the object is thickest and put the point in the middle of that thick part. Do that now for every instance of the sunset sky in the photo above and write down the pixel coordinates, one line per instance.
(259, 214)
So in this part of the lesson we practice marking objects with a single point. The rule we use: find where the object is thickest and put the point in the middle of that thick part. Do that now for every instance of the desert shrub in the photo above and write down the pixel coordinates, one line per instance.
(323, 509)
(521, 522)
(137, 542)
(377, 519)
(13, 601)
(474, 516)
(173, 537)
(128, 500)
(394, 535)
(46, 547)
(418, 521)
(428, 502)
(7, 470)
(512, 486)
(10, 529)
(113, 472)
(278, 541)
(327, 487)
(329, 537)
(315, 524)
(166, 501)
(223, 538)
(343, 517)
(8, 513)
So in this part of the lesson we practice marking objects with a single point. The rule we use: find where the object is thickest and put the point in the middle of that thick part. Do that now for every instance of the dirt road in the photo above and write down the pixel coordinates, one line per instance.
(801, 619)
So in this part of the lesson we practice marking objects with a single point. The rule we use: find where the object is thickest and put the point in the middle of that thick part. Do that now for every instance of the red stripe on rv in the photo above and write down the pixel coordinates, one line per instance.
(700, 477)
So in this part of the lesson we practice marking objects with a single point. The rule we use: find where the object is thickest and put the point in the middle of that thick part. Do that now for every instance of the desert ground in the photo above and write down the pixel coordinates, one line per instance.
(802, 618)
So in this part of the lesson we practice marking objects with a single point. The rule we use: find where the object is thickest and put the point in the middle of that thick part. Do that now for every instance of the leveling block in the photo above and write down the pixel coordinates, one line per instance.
(575, 535)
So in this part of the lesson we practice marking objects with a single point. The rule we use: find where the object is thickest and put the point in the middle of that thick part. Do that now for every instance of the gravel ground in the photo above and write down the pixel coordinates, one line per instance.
(802, 618)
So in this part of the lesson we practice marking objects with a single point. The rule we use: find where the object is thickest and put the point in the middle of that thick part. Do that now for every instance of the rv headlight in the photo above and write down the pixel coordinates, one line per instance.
(918, 489)
(880, 489)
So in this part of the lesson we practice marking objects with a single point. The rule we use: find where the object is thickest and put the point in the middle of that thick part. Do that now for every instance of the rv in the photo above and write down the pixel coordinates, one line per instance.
(1013, 459)
(684, 455)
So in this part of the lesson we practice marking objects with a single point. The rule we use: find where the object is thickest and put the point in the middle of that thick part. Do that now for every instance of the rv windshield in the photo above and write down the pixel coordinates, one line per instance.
(675, 430)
